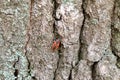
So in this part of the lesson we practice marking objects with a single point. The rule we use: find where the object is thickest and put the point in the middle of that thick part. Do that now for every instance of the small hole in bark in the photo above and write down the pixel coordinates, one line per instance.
(34, 78)
(61, 49)
(16, 72)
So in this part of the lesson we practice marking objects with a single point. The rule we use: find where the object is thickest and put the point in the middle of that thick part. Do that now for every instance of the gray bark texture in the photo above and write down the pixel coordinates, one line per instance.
(59, 39)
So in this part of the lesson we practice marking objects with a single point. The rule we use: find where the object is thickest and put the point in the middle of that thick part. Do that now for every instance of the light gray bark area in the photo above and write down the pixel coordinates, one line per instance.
(14, 17)
(89, 31)
(69, 27)
(43, 61)
(97, 29)
(106, 68)
(82, 71)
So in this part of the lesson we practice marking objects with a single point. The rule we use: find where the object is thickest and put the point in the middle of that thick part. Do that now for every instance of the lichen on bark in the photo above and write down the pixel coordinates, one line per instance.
(14, 17)
(89, 32)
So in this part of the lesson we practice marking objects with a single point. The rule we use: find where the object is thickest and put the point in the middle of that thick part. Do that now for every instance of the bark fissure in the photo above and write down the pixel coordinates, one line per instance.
(81, 31)
(56, 34)
(80, 55)
(70, 75)
(93, 69)
(28, 36)
(16, 74)
(26, 53)
(16, 62)
(16, 70)
(112, 33)
(56, 5)
(56, 68)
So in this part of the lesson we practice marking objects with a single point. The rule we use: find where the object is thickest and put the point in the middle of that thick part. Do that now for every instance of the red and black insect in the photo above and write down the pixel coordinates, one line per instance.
(56, 44)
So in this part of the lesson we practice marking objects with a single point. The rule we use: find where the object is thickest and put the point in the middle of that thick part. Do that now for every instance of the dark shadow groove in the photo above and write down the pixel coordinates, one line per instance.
(16, 70)
(81, 31)
(93, 69)
(34, 78)
(114, 30)
(70, 75)
(16, 74)
(57, 36)
(55, 73)
(56, 5)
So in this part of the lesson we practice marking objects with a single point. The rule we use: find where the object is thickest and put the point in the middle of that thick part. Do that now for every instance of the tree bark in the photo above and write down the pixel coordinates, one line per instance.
(88, 31)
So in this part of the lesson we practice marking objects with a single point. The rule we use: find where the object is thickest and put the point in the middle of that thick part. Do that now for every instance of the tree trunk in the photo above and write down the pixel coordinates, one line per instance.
(59, 39)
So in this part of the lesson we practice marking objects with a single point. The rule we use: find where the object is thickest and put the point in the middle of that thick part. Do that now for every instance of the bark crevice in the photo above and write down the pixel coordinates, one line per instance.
(81, 31)
(16, 74)
(56, 34)
(56, 68)
(93, 70)
(16, 70)
(113, 29)
(28, 37)
(70, 75)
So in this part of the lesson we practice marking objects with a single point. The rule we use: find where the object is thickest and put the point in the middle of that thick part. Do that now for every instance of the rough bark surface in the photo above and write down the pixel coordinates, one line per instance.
(89, 32)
